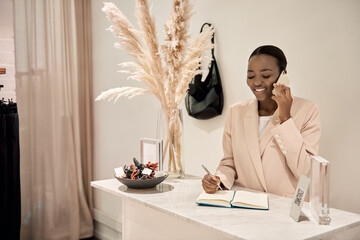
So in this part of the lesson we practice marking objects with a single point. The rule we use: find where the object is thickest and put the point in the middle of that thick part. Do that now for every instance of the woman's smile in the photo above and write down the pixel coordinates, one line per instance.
(259, 90)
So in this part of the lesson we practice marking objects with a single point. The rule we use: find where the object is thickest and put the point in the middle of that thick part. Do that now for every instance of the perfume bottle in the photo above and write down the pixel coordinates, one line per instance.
(319, 190)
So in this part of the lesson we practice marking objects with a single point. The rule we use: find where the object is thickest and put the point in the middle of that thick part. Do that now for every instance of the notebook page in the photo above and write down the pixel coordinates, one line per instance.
(216, 198)
(250, 199)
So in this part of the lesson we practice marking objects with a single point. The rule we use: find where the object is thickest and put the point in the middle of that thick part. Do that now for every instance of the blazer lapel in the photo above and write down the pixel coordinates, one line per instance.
(251, 126)
(266, 137)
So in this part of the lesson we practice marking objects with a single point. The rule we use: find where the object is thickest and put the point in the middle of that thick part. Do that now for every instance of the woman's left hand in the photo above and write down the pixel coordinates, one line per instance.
(284, 101)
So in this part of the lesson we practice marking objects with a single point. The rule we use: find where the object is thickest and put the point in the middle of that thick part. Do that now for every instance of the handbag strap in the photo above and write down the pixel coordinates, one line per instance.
(213, 36)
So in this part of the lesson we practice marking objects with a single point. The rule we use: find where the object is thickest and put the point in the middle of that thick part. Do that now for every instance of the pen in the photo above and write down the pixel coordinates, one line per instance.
(208, 172)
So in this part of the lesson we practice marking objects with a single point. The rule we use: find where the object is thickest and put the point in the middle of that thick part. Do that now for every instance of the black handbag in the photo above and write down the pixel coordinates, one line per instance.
(205, 100)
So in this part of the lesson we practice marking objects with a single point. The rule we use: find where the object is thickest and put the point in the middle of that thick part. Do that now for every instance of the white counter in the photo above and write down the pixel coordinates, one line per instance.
(171, 209)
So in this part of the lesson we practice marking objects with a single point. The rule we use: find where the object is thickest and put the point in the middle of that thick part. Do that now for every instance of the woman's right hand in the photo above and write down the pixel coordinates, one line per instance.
(210, 183)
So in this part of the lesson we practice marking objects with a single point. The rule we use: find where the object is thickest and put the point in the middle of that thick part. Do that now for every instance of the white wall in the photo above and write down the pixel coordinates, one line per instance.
(321, 40)
(7, 55)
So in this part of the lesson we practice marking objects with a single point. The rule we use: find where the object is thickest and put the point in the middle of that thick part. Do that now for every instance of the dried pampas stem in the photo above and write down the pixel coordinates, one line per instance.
(116, 93)
(149, 34)
(174, 51)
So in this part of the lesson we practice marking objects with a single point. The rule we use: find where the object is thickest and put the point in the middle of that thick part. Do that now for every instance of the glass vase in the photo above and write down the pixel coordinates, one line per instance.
(171, 131)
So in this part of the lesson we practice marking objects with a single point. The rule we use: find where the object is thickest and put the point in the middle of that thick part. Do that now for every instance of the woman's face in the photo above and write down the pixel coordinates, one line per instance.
(262, 73)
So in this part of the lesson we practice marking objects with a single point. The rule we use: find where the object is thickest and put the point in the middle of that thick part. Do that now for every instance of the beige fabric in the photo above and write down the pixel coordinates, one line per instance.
(275, 163)
(53, 80)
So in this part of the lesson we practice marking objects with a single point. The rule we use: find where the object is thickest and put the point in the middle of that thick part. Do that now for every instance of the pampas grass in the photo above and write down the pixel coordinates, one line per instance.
(116, 93)
(167, 79)
(164, 70)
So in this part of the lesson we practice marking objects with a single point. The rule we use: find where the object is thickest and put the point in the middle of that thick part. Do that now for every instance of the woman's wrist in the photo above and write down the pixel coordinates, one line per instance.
(284, 119)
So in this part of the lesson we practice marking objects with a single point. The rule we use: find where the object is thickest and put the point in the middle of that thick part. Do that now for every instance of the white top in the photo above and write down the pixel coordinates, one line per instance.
(263, 122)
(235, 224)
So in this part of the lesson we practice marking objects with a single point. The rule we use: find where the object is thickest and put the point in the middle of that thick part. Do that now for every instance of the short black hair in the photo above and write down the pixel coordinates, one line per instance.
(274, 52)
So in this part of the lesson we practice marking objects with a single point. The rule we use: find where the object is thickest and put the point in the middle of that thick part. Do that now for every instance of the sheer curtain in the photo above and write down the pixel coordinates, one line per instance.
(53, 82)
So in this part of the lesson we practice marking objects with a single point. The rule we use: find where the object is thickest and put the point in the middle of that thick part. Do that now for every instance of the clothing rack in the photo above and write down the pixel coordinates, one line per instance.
(10, 198)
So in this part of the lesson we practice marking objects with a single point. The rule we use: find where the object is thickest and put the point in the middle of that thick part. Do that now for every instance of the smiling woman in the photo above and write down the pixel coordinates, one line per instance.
(267, 141)
(265, 65)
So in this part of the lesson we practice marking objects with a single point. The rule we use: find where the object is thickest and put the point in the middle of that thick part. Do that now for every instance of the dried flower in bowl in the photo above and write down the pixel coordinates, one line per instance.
(140, 176)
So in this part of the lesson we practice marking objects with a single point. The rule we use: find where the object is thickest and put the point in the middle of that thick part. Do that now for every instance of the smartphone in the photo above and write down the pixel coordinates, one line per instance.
(283, 80)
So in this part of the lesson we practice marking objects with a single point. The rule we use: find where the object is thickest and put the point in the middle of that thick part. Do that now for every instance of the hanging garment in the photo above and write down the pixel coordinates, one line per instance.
(10, 204)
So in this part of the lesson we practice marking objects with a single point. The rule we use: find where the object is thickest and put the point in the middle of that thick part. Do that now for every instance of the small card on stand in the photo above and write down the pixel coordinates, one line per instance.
(151, 150)
(300, 195)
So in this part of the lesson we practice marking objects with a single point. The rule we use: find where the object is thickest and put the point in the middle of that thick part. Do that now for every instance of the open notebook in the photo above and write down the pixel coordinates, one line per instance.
(239, 198)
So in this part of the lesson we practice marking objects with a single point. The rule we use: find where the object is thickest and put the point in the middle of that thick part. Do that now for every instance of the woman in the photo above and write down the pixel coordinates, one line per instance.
(267, 141)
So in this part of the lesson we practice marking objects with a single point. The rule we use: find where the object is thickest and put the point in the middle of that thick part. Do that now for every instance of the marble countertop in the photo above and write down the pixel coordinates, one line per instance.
(177, 197)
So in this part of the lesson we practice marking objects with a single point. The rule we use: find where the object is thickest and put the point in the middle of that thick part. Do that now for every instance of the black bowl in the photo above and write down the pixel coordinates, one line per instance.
(144, 184)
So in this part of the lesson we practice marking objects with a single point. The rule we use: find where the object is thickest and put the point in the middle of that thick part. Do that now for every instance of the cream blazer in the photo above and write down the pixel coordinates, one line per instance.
(274, 162)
